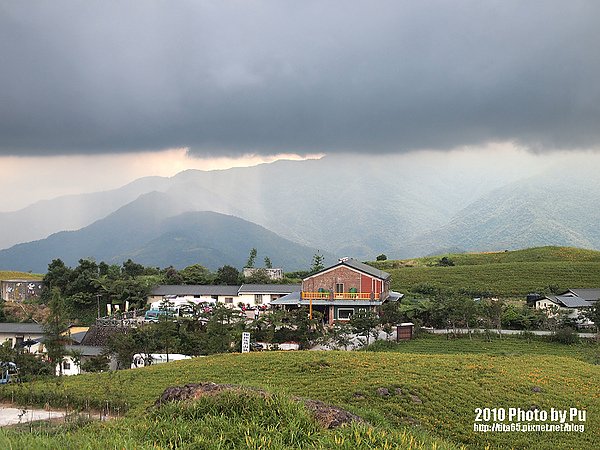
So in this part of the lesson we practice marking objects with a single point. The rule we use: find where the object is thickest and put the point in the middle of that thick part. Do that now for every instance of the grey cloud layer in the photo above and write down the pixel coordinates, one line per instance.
(275, 76)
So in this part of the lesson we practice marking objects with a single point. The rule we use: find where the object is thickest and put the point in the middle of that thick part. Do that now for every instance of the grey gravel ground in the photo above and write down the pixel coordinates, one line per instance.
(11, 416)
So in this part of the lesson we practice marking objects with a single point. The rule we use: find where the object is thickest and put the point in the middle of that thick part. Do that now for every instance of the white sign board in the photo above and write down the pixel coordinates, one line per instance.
(245, 342)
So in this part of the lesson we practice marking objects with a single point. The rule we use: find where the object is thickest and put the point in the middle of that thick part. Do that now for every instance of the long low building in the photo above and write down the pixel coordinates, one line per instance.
(18, 333)
(248, 294)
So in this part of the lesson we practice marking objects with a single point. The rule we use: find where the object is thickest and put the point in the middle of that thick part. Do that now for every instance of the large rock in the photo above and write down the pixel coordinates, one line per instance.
(328, 416)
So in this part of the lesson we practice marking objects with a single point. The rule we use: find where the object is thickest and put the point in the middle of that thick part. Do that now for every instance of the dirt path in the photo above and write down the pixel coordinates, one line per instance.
(11, 416)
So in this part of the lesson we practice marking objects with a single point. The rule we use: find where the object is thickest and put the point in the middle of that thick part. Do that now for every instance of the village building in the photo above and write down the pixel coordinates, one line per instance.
(247, 294)
(196, 293)
(572, 303)
(77, 355)
(271, 273)
(21, 290)
(21, 334)
(264, 294)
(342, 290)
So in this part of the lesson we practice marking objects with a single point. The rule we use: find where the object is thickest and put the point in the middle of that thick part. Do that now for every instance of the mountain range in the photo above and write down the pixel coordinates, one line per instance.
(343, 206)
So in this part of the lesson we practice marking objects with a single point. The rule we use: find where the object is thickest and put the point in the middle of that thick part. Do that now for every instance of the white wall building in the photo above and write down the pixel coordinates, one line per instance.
(248, 294)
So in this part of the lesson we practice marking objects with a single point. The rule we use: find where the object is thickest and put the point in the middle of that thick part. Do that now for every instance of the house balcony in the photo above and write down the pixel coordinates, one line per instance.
(340, 295)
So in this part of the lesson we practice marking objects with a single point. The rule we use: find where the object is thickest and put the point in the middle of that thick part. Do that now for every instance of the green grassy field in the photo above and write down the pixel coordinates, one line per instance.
(12, 275)
(435, 385)
(511, 274)
(586, 350)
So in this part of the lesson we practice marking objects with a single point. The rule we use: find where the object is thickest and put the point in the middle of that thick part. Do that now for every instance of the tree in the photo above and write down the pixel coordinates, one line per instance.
(132, 290)
(227, 275)
(445, 262)
(468, 313)
(381, 257)
(317, 262)
(55, 325)
(341, 335)
(220, 330)
(123, 346)
(364, 323)
(166, 328)
(57, 276)
(196, 274)
(172, 276)
(30, 366)
(259, 276)
(251, 258)
(593, 315)
(82, 288)
(132, 269)
(98, 363)
(492, 310)
(392, 314)
(268, 263)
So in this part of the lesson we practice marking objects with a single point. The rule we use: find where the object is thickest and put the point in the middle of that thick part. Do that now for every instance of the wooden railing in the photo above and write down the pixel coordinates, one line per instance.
(340, 295)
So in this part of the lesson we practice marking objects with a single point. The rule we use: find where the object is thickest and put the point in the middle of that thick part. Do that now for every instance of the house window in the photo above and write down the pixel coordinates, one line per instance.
(339, 287)
(345, 313)
(258, 299)
(229, 300)
(19, 341)
(66, 365)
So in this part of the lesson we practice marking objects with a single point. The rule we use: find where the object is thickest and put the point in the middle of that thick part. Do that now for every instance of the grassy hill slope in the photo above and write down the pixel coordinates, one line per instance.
(429, 393)
(13, 275)
(505, 274)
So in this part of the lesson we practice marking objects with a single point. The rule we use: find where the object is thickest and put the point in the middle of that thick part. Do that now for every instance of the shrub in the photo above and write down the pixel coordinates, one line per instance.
(565, 336)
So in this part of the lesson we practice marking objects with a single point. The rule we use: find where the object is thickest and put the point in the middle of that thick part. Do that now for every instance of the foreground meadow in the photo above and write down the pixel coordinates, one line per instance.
(433, 396)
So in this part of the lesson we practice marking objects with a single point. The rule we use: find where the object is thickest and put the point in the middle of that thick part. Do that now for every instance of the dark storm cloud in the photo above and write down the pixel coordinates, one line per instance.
(303, 76)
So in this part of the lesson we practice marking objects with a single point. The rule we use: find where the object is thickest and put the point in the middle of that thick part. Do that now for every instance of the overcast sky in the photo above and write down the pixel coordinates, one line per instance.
(237, 78)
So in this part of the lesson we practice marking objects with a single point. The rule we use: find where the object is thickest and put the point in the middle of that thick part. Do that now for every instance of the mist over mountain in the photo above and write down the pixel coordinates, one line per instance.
(356, 206)
(559, 207)
(359, 206)
(152, 231)
(69, 212)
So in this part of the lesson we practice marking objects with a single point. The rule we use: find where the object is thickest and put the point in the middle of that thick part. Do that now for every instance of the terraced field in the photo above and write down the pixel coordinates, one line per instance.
(506, 274)
(12, 275)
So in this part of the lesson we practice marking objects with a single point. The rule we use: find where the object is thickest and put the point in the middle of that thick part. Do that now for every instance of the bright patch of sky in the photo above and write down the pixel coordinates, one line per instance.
(25, 180)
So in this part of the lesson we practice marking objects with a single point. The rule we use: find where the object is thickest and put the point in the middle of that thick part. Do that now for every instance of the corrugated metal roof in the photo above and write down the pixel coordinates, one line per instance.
(291, 299)
(194, 289)
(573, 302)
(78, 337)
(394, 296)
(366, 268)
(86, 350)
(25, 328)
(587, 294)
(362, 267)
(201, 289)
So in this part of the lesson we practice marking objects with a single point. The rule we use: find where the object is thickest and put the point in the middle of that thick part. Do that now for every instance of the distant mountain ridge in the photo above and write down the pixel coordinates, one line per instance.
(548, 209)
(152, 231)
(357, 206)
(70, 212)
